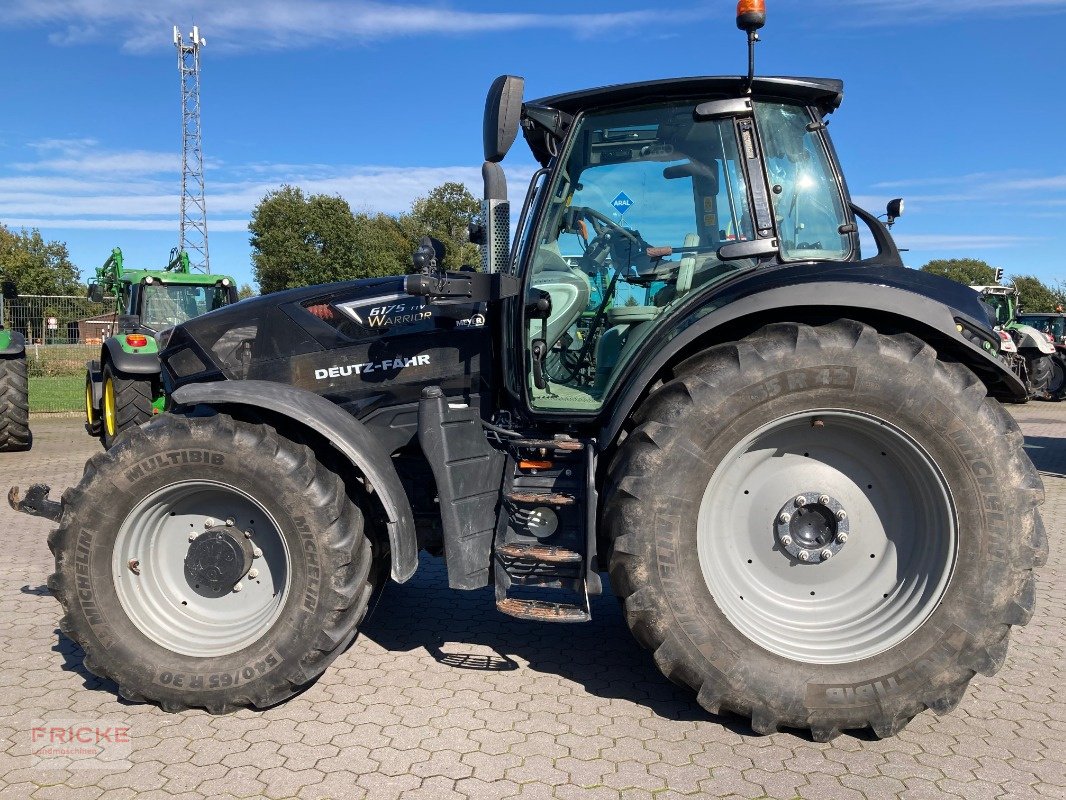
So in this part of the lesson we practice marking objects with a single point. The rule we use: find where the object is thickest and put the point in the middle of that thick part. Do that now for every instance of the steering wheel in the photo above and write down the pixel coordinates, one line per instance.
(601, 224)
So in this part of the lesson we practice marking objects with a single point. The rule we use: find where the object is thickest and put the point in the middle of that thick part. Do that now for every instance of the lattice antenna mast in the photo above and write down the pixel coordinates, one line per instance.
(193, 232)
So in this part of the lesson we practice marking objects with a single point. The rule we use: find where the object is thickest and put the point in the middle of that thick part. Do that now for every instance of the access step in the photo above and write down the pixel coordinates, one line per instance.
(539, 498)
(541, 611)
(544, 553)
(570, 445)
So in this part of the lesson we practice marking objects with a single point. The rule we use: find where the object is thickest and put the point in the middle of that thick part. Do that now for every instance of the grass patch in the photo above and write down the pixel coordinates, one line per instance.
(62, 393)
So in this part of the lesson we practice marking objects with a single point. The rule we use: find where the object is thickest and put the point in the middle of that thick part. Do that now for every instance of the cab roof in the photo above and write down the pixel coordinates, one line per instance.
(825, 93)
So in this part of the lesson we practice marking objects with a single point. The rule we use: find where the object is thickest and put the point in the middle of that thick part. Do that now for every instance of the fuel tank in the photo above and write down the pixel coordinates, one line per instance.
(365, 345)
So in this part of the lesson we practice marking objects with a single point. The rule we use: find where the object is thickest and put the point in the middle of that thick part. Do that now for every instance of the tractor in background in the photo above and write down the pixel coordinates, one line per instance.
(1031, 353)
(122, 386)
(14, 386)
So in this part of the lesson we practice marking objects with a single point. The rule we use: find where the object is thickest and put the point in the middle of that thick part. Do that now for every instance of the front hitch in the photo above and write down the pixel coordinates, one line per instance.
(36, 503)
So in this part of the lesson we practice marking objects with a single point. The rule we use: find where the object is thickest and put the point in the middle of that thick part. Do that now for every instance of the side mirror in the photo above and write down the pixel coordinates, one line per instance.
(10, 290)
(893, 211)
(96, 293)
(503, 112)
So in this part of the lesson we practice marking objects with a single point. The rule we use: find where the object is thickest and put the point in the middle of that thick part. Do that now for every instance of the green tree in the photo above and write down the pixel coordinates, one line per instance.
(1035, 295)
(244, 291)
(300, 240)
(37, 266)
(967, 271)
(445, 213)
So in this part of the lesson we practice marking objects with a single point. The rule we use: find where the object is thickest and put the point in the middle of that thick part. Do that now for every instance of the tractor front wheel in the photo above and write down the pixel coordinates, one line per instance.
(212, 563)
(824, 528)
(126, 403)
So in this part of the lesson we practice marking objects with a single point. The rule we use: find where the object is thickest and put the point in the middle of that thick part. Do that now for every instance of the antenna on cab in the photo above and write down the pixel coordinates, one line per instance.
(751, 15)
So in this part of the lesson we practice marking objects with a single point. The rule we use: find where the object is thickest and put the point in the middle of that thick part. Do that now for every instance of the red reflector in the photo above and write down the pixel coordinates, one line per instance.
(137, 340)
(321, 310)
(1004, 336)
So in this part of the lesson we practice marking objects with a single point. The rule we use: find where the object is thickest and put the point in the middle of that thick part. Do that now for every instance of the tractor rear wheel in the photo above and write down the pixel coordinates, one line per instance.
(824, 528)
(1041, 373)
(126, 403)
(228, 567)
(14, 405)
(1057, 382)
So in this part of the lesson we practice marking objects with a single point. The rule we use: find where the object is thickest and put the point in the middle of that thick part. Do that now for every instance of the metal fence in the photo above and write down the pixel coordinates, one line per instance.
(62, 333)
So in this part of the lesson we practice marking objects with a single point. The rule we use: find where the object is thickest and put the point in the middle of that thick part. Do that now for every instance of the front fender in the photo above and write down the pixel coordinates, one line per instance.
(145, 363)
(1028, 336)
(12, 345)
(347, 434)
(927, 309)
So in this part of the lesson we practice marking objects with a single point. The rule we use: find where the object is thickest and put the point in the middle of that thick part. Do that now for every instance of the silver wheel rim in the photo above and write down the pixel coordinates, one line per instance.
(151, 581)
(874, 590)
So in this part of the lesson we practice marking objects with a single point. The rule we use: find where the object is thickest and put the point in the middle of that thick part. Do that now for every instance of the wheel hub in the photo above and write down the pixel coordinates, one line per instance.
(218, 558)
(811, 527)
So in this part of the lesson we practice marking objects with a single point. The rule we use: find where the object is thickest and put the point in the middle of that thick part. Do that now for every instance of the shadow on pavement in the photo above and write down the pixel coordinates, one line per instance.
(600, 655)
(1048, 454)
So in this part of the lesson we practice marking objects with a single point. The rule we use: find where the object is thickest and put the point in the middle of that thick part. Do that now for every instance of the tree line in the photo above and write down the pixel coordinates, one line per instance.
(300, 240)
(1036, 296)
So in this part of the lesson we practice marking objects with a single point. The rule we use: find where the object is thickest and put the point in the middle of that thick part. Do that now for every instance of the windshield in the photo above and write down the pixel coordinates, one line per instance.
(163, 305)
(1002, 306)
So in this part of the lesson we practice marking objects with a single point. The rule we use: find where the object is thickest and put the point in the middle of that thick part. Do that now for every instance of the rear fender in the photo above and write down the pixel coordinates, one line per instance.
(349, 436)
(887, 308)
(140, 364)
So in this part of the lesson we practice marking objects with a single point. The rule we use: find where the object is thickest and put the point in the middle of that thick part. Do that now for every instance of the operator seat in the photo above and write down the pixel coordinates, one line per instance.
(569, 289)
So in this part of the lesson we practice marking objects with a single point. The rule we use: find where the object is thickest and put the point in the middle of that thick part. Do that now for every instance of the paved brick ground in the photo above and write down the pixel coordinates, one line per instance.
(443, 697)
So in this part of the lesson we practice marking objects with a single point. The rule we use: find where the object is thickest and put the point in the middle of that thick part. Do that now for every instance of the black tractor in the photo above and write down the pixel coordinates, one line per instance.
(788, 454)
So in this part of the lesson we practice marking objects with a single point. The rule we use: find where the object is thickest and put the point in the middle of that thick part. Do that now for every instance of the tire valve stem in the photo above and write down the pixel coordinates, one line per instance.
(817, 423)
(135, 566)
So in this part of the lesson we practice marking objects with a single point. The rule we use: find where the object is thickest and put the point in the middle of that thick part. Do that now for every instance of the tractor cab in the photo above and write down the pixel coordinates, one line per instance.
(644, 204)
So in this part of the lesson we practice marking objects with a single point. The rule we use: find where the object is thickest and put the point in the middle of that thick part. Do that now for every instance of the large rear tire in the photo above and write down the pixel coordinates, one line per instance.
(169, 596)
(126, 403)
(14, 405)
(1041, 370)
(726, 505)
(1057, 383)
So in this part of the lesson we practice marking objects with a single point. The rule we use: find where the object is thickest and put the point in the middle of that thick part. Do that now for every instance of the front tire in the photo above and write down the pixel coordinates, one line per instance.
(145, 554)
(14, 406)
(709, 534)
(126, 403)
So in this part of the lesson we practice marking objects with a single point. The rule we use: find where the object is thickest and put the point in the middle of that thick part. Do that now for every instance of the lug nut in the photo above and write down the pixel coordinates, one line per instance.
(785, 517)
(842, 537)
(256, 552)
(253, 573)
(248, 534)
(804, 555)
(824, 499)
(842, 515)
(209, 523)
(229, 522)
(827, 554)
(786, 540)
(801, 501)
(238, 587)
(193, 535)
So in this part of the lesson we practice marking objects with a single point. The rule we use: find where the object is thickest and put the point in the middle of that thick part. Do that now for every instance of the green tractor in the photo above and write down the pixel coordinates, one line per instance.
(122, 387)
(1030, 353)
(14, 387)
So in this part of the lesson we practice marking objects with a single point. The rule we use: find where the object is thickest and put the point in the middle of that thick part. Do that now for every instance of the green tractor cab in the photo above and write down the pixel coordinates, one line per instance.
(122, 387)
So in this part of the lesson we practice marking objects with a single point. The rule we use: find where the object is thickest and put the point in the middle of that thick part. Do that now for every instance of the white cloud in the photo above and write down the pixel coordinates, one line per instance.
(282, 24)
(86, 187)
(957, 242)
(881, 12)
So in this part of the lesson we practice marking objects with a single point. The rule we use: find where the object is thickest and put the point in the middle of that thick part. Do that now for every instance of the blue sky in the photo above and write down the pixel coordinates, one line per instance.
(957, 105)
